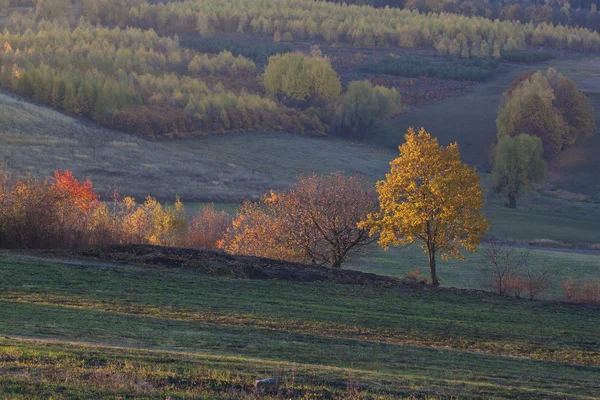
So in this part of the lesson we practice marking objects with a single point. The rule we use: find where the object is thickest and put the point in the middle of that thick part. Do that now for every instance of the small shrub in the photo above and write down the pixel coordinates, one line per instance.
(515, 285)
(508, 272)
(358, 57)
(415, 275)
(587, 292)
(315, 51)
(503, 263)
(536, 281)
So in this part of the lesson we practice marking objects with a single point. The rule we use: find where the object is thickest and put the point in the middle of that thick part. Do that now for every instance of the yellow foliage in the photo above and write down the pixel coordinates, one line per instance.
(152, 223)
(431, 197)
(298, 79)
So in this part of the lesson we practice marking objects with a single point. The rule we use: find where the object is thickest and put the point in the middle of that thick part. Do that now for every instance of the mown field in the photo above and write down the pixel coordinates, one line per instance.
(121, 331)
(38, 140)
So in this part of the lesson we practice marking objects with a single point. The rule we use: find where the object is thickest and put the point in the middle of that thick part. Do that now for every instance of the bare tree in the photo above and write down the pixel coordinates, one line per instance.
(509, 273)
(504, 261)
(537, 281)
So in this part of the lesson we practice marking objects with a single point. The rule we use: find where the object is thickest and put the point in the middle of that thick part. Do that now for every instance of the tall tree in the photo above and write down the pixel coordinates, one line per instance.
(431, 197)
(575, 108)
(518, 166)
(547, 105)
(527, 108)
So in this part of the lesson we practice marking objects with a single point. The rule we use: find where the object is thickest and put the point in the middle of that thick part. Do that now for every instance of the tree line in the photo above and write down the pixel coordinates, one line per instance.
(320, 219)
(429, 198)
(143, 83)
(466, 36)
(583, 13)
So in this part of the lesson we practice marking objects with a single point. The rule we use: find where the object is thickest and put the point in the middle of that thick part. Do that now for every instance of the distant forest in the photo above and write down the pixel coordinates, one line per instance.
(582, 13)
(165, 69)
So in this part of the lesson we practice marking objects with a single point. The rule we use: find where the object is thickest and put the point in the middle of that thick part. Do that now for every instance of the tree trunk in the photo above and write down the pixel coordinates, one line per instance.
(434, 278)
(335, 261)
(512, 200)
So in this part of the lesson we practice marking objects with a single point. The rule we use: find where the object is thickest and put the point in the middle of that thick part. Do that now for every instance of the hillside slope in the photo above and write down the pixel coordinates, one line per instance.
(39, 140)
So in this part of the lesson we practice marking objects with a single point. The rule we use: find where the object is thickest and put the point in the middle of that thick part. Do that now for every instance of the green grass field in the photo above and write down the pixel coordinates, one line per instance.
(471, 273)
(151, 333)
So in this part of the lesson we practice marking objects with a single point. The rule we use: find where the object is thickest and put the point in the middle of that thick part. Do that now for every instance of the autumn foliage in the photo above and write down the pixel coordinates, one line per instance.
(63, 212)
(301, 81)
(140, 82)
(548, 105)
(50, 213)
(581, 292)
(430, 197)
(208, 227)
(314, 221)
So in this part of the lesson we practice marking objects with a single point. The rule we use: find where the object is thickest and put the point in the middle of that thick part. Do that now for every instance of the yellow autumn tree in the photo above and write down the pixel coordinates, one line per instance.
(430, 197)
(301, 81)
(152, 223)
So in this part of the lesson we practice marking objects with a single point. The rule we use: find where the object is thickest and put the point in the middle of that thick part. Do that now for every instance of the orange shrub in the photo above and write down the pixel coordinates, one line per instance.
(42, 214)
(208, 228)
(587, 292)
(63, 212)
(257, 231)
(415, 275)
(28, 215)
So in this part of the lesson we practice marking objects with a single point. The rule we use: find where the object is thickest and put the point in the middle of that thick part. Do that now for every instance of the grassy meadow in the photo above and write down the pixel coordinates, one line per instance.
(564, 264)
(124, 331)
